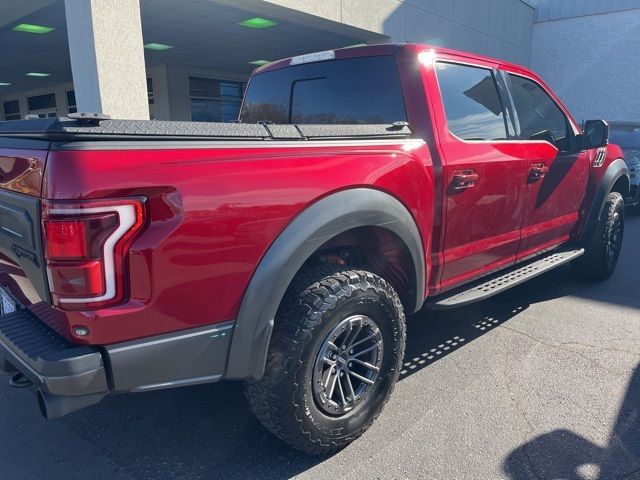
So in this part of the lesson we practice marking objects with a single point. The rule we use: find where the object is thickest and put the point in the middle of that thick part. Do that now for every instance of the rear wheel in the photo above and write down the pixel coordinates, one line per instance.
(335, 355)
(603, 250)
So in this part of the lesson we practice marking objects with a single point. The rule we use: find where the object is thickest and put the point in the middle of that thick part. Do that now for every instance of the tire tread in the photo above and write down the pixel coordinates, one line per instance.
(312, 293)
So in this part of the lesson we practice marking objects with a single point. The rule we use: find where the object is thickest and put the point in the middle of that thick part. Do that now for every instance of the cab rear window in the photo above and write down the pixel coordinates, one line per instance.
(364, 90)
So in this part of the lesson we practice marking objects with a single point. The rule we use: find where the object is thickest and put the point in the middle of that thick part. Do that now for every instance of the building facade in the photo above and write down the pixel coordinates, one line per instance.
(587, 51)
(190, 59)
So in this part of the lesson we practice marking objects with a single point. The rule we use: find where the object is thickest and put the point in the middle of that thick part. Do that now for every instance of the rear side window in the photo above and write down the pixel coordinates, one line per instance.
(471, 102)
(354, 90)
(537, 112)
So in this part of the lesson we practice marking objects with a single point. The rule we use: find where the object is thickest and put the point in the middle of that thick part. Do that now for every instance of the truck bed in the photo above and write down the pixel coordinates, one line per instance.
(100, 128)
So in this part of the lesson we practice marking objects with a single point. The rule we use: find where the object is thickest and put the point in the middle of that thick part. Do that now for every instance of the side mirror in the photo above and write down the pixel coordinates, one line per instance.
(595, 134)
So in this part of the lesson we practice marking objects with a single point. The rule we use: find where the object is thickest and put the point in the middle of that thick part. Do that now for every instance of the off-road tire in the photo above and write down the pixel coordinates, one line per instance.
(603, 250)
(317, 300)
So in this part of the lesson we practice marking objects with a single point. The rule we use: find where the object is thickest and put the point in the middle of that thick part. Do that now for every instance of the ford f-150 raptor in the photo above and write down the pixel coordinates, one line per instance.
(285, 249)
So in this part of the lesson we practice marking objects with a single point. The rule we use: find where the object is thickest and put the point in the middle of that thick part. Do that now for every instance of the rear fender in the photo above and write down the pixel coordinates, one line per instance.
(322, 221)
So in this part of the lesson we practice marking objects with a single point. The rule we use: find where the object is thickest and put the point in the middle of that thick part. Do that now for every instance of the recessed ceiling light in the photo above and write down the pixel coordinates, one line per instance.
(259, 62)
(157, 46)
(257, 22)
(37, 74)
(4, 84)
(29, 28)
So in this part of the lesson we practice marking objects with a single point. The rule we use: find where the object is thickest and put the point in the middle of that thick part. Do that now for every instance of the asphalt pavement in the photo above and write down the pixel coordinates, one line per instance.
(541, 382)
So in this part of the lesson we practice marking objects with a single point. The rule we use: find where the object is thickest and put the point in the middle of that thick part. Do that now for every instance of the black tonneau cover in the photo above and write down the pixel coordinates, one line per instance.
(72, 129)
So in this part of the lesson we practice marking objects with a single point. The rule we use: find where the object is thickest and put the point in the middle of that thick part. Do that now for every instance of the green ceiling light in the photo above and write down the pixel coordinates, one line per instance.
(5, 84)
(29, 28)
(159, 47)
(37, 74)
(257, 22)
(259, 62)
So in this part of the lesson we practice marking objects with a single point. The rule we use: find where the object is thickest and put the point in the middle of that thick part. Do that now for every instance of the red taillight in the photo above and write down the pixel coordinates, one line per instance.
(86, 245)
(74, 279)
(80, 238)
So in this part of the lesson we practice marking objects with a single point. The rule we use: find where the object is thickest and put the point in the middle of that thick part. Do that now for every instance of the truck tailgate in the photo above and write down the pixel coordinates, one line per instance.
(22, 165)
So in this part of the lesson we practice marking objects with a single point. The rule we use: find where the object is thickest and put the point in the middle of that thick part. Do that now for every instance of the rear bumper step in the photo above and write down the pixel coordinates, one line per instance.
(501, 281)
(69, 377)
(73, 374)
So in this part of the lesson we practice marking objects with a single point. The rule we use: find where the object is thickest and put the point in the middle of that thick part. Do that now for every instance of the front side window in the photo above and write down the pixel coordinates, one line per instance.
(347, 91)
(537, 113)
(471, 102)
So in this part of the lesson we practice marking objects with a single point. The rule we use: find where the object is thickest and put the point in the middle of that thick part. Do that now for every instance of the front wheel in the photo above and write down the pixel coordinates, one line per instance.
(603, 250)
(335, 355)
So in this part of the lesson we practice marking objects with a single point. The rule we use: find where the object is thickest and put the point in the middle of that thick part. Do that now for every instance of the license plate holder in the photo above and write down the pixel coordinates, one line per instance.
(8, 304)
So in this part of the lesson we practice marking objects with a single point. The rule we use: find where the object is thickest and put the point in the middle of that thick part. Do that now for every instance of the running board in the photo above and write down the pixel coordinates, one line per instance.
(501, 281)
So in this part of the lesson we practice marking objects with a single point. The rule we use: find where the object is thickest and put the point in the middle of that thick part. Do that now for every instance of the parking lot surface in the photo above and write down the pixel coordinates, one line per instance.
(542, 382)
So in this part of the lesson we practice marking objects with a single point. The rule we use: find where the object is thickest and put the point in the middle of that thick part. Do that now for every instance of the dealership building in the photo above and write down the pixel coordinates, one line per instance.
(190, 59)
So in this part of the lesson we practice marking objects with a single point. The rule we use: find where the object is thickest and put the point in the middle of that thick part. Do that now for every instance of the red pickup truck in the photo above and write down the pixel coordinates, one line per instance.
(284, 250)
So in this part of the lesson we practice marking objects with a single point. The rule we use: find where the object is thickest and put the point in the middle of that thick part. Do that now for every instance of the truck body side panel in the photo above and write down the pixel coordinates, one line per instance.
(215, 211)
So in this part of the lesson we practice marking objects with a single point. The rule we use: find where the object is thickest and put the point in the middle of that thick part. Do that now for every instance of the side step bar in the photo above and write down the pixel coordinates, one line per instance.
(501, 281)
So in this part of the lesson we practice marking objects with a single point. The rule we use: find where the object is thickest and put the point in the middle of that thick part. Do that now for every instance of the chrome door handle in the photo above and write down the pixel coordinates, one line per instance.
(538, 171)
(463, 179)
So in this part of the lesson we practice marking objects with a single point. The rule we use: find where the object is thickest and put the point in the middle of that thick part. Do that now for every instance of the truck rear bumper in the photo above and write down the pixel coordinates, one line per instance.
(69, 377)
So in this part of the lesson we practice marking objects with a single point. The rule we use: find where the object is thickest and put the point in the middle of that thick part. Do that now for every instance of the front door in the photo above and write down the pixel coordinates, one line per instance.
(484, 172)
(558, 171)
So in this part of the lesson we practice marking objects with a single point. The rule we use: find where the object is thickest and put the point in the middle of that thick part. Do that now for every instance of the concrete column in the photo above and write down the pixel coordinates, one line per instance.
(107, 57)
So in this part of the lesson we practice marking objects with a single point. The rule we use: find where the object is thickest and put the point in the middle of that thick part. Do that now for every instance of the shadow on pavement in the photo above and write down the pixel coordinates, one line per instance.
(208, 432)
(562, 454)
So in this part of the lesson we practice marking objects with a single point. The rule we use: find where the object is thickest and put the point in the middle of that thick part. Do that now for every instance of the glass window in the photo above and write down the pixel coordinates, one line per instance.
(71, 101)
(150, 90)
(42, 102)
(214, 100)
(150, 98)
(625, 136)
(355, 90)
(537, 113)
(471, 102)
(11, 110)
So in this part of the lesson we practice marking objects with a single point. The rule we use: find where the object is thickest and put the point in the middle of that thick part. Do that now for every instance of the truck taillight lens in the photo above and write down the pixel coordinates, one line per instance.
(86, 246)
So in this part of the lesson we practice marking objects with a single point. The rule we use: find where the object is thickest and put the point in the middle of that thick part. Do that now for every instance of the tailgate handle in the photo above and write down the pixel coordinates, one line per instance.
(463, 179)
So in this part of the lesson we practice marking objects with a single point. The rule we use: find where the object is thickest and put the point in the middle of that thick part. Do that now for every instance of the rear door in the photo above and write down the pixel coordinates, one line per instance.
(557, 170)
(484, 172)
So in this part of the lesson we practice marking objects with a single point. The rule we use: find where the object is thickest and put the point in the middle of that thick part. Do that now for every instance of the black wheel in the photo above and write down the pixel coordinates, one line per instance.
(603, 250)
(335, 355)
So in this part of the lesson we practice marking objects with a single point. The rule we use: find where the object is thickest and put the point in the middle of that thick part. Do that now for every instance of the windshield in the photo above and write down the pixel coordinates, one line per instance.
(625, 137)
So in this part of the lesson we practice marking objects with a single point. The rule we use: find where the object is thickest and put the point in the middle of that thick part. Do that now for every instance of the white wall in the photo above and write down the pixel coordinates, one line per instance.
(498, 28)
(107, 57)
(592, 63)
